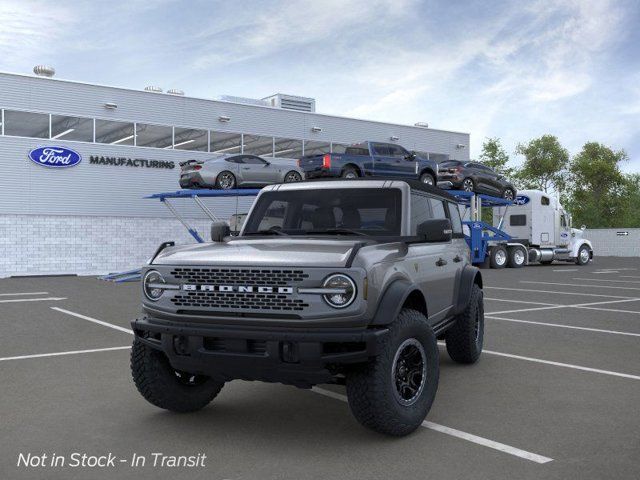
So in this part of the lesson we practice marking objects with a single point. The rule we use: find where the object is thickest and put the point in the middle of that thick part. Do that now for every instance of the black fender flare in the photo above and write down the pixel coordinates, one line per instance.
(392, 301)
(470, 275)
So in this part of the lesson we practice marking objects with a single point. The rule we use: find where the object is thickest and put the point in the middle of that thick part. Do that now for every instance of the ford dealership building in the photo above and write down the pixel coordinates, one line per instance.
(77, 159)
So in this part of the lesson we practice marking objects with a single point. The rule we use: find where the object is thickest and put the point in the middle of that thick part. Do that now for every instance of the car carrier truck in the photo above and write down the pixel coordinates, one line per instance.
(537, 222)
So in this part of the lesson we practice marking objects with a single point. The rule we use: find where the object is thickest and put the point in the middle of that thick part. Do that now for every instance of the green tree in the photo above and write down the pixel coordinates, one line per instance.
(599, 193)
(495, 156)
(545, 164)
(631, 216)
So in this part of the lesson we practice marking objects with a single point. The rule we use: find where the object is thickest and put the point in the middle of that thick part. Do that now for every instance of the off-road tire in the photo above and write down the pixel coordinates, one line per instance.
(512, 261)
(579, 260)
(371, 387)
(496, 259)
(220, 186)
(349, 172)
(428, 179)
(464, 342)
(157, 382)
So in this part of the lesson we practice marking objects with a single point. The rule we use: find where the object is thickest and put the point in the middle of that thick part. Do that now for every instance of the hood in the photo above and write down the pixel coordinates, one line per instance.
(291, 252)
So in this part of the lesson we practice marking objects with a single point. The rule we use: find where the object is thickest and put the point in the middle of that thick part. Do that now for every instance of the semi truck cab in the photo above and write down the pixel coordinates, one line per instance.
(538, 221)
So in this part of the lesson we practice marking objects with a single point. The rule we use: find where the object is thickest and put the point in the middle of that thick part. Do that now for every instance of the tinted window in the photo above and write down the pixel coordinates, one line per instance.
(157, 136)
(368, 211)
(234, 159)
(437, 208)
(420, 211)
(253, 160)
(517, 220)
(397, 151)
(544, 200)
(381, 149)
(356, 151)
(456, 222)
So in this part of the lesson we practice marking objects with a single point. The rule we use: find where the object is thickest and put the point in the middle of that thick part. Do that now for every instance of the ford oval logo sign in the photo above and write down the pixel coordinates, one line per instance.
(55, 157)
(521, 200)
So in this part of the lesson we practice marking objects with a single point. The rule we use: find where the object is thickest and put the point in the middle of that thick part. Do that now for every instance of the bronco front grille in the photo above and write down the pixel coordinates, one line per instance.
(239, 276)
(233, 300)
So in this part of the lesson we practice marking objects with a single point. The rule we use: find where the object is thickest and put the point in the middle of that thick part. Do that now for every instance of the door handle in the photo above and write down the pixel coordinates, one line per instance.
(441, 262)
(457, 258)
(246, 168)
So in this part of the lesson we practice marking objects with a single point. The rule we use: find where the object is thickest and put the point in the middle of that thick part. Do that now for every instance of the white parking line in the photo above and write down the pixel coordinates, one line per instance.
(564, 365)
(559, 325)
(469, 437)
(94, 320)
(575, 285)
(603, 280)
(575, 305)
(47, 299)
(556, 292)
(22, 293)
(58, 354)
(519, 301)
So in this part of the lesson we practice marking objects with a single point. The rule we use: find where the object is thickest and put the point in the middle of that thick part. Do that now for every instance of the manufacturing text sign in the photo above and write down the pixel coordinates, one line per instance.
(55, 157)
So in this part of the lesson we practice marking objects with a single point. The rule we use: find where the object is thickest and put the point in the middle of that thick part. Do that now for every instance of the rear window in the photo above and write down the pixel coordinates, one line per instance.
(356, 151)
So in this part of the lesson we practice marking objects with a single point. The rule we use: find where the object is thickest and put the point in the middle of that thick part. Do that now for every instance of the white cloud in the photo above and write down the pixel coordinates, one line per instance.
(30, 28)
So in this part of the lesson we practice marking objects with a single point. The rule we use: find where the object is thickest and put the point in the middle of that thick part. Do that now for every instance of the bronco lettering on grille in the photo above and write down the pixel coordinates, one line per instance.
(237, 288)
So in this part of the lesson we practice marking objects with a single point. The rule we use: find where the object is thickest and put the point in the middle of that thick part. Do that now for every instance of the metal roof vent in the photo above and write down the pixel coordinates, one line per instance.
(292, 102)
(152, 88)
(44, 71)
(422, 124)
(175, 91)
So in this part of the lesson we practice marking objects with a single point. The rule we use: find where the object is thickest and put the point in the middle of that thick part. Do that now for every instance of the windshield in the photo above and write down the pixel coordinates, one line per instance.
(352, 211)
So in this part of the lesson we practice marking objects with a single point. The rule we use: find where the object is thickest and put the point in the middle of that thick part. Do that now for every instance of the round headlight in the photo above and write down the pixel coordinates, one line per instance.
(152, 285)
(344, 290)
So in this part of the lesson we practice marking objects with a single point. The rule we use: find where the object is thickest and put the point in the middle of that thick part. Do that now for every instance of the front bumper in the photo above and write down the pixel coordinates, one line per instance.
(296, 356)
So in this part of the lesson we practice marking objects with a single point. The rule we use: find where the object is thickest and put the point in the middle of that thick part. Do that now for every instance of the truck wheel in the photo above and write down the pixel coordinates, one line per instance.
(349, 172)
(517, 257)
(464, 340)
(427, 179)
(498, 257)
(393, 393)
(161, 385)
(583, 255)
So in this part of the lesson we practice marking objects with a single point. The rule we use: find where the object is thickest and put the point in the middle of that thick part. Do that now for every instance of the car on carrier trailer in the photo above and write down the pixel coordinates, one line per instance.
(340, 281)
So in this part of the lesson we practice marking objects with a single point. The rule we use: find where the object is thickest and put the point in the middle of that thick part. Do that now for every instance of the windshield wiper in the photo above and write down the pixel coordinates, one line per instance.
(337, 231)
(267, 232)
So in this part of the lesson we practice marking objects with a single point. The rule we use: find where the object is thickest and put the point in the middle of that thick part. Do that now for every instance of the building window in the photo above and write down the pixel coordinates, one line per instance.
(258, 145)
(287, 148)
(72, 128)
(224, 142)
(316, 148)
(157, 136)
(114, 133)
(26, 124)
(190, 139)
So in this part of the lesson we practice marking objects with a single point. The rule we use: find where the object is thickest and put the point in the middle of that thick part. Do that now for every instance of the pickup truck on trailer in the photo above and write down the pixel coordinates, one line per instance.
(346, 282)
(371, 159)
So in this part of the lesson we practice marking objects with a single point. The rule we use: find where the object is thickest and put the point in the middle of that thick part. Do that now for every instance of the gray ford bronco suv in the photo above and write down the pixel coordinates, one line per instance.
(334, 281)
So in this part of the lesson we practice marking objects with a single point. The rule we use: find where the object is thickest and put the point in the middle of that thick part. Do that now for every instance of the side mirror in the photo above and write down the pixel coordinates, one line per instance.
(219, 230)
(410, 156)
(436, 230)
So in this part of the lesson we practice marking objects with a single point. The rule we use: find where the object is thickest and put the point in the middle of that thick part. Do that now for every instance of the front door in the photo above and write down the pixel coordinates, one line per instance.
(256, 171)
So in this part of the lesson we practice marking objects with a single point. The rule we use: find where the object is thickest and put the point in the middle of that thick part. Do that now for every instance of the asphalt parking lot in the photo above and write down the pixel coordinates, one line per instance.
(555, 394)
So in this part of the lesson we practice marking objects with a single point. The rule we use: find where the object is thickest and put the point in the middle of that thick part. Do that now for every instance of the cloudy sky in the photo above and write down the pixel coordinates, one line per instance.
(514, 70)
